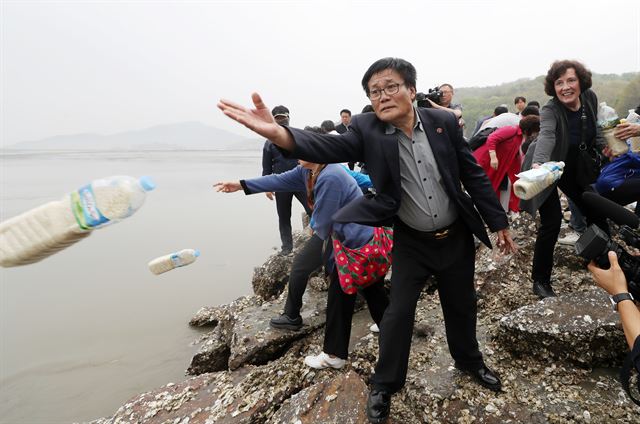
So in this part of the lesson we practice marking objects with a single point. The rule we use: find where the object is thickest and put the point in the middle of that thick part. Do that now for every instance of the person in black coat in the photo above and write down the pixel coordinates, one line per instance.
(273, 162)
(418, 161)
(343, 127)
(345, 118)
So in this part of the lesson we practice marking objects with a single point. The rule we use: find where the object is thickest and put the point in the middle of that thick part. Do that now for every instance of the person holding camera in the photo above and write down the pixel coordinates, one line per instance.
(444, 103)
(567, 126)
(615, 283)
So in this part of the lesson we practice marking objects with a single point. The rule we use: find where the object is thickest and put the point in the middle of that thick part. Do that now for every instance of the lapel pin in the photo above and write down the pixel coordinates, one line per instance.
(439, 130)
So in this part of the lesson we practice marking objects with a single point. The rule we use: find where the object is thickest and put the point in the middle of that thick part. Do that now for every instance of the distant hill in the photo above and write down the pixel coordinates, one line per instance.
(180, 136)
(622, 92)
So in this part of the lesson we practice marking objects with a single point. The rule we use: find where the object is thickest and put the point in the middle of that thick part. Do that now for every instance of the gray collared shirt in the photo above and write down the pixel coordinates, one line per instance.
(425, 206)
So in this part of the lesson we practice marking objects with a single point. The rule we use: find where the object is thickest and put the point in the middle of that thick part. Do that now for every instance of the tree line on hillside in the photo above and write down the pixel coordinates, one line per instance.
(622, 92)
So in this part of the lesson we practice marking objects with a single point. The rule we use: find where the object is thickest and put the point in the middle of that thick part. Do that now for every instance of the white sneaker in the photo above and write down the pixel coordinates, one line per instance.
(374, 328)
(570, 239)
(323, 361)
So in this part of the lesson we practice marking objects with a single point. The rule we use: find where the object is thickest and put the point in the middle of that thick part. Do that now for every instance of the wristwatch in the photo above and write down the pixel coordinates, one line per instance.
(615, 299)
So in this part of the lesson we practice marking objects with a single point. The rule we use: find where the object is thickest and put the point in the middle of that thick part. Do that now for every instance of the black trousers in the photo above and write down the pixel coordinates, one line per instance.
(625, 193)
(551, 219)
(415, 258)
(283, 206)
(340, 313)
(307, 260)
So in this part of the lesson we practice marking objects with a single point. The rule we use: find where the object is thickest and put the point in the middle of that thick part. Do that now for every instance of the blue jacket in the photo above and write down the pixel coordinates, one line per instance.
(363, 180)
(614, 173)
(334, 189)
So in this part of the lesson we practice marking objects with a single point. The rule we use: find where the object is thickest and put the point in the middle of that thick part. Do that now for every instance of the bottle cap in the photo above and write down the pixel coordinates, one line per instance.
(196, 253)
(147, 183)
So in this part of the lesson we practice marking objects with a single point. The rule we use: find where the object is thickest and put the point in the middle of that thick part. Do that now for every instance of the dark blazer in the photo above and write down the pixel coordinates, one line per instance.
(367, 142)
(273, 161)
(552, 143)
(342, 128)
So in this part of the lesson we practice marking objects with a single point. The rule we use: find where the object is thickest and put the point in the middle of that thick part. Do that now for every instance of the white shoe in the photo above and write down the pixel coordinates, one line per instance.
(374, 328)
(323, 361)
(570, 239)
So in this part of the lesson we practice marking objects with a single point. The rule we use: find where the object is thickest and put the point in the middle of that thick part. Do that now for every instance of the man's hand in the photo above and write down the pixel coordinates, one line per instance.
(612, 279)
(505, 243)
(269, 195)
(227, 186)
(626, 130)
(258, 120)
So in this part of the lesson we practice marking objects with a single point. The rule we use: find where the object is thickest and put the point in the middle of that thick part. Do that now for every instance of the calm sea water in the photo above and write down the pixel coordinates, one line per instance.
(84, 330)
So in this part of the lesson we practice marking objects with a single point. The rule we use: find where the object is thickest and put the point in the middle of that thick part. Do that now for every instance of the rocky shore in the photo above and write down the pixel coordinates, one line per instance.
(557, 358)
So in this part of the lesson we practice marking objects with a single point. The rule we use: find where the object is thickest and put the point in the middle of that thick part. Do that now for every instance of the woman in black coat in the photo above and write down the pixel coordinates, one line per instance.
(567, 120)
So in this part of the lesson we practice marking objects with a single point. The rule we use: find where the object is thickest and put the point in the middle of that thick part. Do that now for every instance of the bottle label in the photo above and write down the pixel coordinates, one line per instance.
(85, 208)
(176, 260)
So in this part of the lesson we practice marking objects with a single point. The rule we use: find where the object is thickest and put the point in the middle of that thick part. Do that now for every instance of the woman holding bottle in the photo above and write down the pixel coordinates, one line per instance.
(567, 122)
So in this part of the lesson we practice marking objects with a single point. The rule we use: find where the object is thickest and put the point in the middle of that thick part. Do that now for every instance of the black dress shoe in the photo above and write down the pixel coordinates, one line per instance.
(283, 322)
(378, 406)
(543, 289)
(485, 377)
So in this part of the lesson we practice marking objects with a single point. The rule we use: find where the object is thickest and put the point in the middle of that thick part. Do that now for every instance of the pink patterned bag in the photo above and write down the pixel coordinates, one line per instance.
(365, 265)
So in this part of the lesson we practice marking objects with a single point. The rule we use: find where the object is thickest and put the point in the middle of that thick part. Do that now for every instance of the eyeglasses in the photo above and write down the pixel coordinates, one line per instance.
(390, 90)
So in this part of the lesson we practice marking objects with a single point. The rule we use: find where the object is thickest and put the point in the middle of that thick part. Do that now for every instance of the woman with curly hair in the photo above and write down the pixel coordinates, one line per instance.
(566, 121)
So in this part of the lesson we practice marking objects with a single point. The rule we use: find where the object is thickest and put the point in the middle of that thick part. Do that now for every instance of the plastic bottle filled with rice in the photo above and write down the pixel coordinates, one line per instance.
(173, 260)
(47, 229)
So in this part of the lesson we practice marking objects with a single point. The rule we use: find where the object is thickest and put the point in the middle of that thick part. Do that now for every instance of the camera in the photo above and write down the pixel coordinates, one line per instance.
(595, 244)
(434, 94)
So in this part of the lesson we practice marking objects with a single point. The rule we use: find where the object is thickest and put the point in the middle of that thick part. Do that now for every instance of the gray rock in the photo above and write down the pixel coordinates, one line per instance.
(253, 341)
(214, 353)
(243, 335)
(546, 385)
(340, 400)
(270, 279)
(579, 327)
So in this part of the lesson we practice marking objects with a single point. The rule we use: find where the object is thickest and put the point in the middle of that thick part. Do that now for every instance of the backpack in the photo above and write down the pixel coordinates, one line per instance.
(480, 138)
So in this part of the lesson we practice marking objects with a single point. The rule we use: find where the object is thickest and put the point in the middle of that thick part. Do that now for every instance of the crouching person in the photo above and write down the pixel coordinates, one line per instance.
(328, 188)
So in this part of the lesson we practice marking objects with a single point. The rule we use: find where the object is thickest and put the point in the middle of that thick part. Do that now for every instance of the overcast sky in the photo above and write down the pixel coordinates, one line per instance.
(109, 66)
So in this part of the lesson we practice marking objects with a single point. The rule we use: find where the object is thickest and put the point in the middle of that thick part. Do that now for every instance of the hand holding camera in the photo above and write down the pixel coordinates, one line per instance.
(612, 279)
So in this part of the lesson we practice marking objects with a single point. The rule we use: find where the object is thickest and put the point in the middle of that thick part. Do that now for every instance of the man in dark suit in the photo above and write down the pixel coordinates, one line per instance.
(273, 162)
(343, 127)
(345, 118)
(417, 160)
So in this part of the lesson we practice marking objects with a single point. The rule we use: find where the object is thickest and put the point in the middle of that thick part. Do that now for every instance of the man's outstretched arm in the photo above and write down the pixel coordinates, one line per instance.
(258, 120)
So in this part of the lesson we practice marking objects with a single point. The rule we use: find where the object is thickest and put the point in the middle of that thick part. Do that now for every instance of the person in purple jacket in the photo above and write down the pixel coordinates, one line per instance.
(329, 188)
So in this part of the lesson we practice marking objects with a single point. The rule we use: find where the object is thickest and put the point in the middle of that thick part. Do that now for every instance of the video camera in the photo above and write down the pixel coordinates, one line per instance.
(595, 244)
(434, 94)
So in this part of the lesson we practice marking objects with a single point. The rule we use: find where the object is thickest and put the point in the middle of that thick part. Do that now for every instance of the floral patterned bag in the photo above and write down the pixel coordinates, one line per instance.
(365, 265)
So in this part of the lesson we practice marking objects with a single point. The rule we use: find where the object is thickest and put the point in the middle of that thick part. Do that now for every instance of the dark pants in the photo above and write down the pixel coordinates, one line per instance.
(551, 219)
(283, 205)
(307, 260)
(340, 312)
(415, 258)
(625, 193)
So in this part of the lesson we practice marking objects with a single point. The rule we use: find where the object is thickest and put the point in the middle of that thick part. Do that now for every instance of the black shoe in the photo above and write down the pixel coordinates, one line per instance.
(485, 377)
(283, 322)
(285, 251)
(543, 289)
(378, 406)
